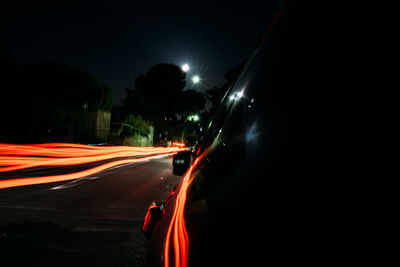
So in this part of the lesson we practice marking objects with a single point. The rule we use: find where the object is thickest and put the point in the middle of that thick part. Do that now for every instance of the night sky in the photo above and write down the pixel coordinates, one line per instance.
(119, 40)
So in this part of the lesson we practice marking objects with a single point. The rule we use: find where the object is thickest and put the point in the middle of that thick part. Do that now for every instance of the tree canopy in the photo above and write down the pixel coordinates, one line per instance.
(157, 94)
(59, 85)
(161, 94)
(45, 101)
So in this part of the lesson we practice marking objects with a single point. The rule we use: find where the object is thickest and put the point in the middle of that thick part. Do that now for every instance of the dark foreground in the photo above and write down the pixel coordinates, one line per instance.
(95, 221)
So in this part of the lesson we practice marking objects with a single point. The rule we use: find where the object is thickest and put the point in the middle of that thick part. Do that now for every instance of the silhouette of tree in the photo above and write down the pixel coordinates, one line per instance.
(46, 101)
(159, 96)
(191, 102)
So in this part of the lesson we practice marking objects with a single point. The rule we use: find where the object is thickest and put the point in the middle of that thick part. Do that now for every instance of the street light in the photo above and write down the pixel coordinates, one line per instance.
(193, 117)
(196, 79)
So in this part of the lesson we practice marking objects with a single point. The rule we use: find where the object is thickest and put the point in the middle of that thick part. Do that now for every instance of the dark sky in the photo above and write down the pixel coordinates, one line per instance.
(119, 40)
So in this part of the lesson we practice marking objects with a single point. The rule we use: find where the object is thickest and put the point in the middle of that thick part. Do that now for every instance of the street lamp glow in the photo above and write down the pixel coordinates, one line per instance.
(196, 79)
(185, 67)
(193, 118)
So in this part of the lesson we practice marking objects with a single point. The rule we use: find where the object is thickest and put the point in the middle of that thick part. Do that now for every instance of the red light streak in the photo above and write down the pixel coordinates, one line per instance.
(13, 163)
(147, 218)
(177, 227)
(18, 157)
(178, 144)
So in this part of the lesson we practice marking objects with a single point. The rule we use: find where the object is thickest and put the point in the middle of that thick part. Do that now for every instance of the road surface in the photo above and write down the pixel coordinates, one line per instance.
(93, 221)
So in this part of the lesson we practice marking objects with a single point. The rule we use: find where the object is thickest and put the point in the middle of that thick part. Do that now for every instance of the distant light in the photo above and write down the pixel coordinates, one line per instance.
(196, 79)
(193, 117)
(178, 144)
(240, 94)
(232, 97)
(185, 67)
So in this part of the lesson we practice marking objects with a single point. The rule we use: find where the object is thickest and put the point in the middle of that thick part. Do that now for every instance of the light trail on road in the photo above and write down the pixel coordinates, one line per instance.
(177, 227)
(21, 157)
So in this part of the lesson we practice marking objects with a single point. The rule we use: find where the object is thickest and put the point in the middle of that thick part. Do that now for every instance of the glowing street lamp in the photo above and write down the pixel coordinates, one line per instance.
(196, 79)
(193, 117)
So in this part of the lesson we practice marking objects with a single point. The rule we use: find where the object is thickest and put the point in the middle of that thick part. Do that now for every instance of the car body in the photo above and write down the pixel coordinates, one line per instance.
(255, 193)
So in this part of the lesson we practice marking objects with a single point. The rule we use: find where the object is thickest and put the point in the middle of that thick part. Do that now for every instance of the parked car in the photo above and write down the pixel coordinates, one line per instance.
(181, 162)
(255, 193)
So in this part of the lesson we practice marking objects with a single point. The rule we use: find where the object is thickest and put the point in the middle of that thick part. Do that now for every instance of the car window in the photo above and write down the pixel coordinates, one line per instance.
(223, 111)
(235, 130)
(224, 144)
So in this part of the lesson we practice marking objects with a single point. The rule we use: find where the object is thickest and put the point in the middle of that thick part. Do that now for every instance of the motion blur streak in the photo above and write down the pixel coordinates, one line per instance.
(65, 177)
(178, 144)
(148, 214)
(19, 157)
(60, 150)
(177, 225)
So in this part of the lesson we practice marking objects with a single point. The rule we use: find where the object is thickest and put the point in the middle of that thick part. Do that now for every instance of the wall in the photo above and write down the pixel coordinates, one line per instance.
(98, 124)
(136, 140)
(103, 124)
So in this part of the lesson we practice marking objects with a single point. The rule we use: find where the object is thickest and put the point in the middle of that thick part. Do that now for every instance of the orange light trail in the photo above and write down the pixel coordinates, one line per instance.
(178, 144)
(148, 215)
(19, 157)
(177, 227)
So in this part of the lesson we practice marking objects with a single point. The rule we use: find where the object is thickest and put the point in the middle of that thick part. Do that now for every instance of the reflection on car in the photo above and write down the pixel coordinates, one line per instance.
(251, 194)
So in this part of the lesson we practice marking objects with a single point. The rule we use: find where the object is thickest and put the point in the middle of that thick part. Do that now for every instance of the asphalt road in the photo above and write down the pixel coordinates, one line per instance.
(93, 221)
